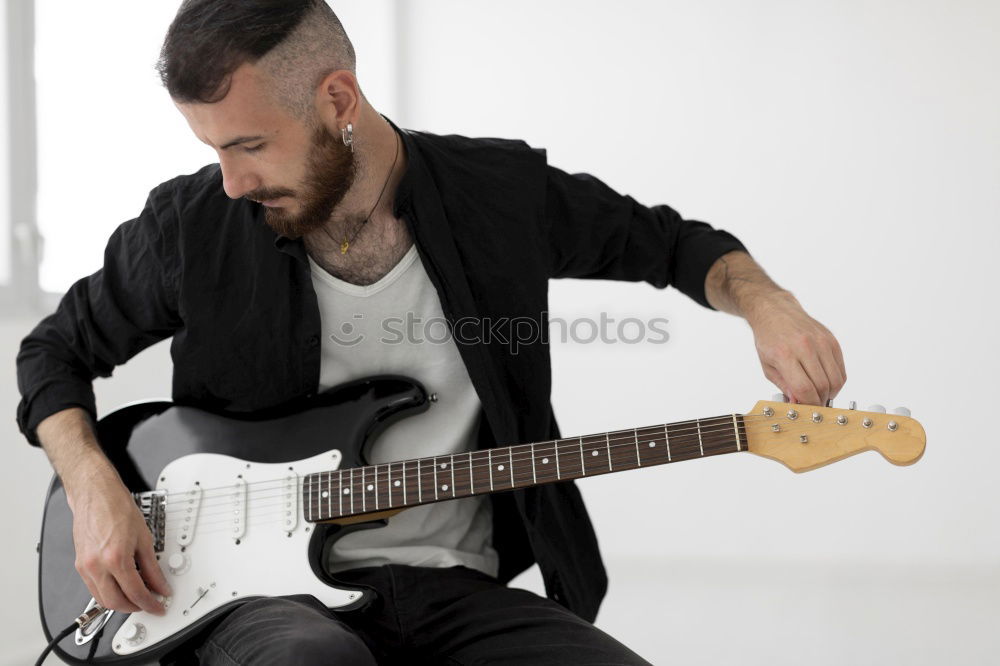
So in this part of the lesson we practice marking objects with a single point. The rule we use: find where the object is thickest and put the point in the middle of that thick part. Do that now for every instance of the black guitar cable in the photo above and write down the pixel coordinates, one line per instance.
(80, 622)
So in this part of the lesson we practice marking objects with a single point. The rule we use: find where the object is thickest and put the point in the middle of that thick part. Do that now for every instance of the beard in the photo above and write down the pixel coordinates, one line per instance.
(330, 173)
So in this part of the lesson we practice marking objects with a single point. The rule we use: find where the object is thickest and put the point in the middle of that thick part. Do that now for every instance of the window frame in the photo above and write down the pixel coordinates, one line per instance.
(21, 293)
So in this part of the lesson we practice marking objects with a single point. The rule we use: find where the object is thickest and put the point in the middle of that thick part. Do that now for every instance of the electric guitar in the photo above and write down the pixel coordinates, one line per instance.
(244, 508)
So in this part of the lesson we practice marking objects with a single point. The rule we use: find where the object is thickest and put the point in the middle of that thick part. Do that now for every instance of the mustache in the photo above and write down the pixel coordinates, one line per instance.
(267, 195)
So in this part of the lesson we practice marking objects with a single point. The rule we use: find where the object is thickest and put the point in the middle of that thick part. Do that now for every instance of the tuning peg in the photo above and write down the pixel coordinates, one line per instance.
(902, 411)
(829, 403)
(876, 408)
(779, 397)
(853, 405)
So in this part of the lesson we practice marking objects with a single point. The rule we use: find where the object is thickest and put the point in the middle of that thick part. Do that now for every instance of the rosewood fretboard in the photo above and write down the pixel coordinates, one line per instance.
(360, 490)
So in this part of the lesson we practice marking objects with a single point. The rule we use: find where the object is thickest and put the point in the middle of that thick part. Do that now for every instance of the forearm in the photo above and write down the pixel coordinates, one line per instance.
(738, 285)
(70, 442)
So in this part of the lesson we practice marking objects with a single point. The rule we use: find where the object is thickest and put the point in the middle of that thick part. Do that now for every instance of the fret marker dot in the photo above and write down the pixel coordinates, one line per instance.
(370, 486)
(396, 483)
(325, 494)
(500, 467)
(594, 452)
(347, 491)
(652, 444)
(444, 465)
(545, 461)
(444, 487)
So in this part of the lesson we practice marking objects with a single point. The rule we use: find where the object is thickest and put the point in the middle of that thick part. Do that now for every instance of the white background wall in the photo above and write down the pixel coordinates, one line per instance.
(855, 148)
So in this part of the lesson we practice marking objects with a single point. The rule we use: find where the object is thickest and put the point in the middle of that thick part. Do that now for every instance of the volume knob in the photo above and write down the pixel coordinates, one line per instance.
(134, 633)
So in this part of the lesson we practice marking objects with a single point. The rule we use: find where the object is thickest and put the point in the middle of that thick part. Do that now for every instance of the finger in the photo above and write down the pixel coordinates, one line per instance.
(819, 381)
(150, 571)
(136, 591)
(833, 371)
(800, 387)
(112, 596)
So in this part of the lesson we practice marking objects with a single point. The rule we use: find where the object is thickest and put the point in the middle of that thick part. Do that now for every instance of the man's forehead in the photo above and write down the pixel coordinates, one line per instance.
(245, 113)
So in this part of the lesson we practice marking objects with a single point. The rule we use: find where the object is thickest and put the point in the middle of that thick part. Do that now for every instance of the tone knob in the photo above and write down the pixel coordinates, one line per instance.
(902, 411)
(876, 408)
(779, 397)
(177, 563)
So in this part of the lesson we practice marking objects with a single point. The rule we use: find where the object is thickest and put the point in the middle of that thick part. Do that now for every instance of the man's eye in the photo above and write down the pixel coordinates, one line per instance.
(253, 149)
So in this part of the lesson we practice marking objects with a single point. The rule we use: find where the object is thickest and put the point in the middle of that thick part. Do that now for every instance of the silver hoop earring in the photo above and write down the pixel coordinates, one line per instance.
(347, 135)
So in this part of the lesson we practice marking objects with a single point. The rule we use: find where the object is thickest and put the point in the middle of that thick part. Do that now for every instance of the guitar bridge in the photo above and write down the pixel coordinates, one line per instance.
(153, 505)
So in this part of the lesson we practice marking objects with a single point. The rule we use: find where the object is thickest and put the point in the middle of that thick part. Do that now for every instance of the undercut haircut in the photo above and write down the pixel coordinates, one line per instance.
(297, 43)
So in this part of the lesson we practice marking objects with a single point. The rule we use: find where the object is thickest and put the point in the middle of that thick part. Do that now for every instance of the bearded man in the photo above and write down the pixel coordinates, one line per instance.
(271, 271)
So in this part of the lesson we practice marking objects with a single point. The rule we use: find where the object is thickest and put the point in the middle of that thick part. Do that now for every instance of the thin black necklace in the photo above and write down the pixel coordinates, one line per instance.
(345, 244)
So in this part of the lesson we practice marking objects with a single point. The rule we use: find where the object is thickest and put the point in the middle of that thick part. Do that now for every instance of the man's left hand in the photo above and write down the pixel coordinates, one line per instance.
(798, 353)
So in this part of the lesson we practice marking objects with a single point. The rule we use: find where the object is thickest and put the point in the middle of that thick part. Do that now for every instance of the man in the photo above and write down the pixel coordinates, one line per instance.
(320, 216)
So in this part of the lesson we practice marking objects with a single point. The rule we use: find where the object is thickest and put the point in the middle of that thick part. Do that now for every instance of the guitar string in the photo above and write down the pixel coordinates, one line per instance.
(692, 449)
(519, 454)
(723, 422)
(268, 510)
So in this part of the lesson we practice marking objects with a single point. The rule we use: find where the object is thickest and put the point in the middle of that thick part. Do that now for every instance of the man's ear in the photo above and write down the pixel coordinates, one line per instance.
(338, 100)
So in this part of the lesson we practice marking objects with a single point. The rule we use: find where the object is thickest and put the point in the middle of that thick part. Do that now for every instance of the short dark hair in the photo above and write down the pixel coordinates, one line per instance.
(209, 39)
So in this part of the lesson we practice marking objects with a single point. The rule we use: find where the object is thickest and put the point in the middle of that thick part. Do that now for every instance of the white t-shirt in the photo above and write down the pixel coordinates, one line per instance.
(396, 326)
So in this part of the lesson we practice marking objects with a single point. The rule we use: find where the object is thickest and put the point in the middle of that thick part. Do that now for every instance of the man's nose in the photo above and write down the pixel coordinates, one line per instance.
(237, 182)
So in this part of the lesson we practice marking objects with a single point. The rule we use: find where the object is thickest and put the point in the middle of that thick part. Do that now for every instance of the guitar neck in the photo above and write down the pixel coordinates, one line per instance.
(337, 494)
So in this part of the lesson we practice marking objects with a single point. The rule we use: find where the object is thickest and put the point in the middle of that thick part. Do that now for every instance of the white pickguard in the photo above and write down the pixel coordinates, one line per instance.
(231, 498)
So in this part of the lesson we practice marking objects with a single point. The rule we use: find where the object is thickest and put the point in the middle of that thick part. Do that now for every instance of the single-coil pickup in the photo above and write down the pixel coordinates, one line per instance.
(239, 508)
(187, 510)
(290, 503)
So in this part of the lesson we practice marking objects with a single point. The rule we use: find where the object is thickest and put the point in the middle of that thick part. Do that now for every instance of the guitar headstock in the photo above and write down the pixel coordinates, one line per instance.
(805, 437)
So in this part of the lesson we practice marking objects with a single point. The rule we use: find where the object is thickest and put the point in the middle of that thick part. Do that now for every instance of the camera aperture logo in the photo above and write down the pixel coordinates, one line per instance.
(511, 332)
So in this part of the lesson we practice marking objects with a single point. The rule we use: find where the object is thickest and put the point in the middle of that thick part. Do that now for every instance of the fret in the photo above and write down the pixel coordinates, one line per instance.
(583, 465)
(405, 481)
(309, 509)
(736, 433)
(510, 463)
(534, 472)
(388, 483)
(351, 489)
(555, 447)
(490, 456)
(329, 497)
(666, 437)
(364, 491)
(340, 490)
(452, 475)
(420, 484)
(701, 445)
(435, 467)
(638, 458)
(472, 476)
(607, 443)
(376, 487)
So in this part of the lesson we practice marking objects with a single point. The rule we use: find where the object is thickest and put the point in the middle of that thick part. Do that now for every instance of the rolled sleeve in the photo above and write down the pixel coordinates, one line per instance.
(104, 319)
(595, 232)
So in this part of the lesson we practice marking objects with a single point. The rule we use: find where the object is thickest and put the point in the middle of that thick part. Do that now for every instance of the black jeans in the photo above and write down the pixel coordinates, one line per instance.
(421, 616)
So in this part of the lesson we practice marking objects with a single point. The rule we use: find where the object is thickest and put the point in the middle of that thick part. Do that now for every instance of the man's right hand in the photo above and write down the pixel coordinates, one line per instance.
(111, 539)
(114, 547)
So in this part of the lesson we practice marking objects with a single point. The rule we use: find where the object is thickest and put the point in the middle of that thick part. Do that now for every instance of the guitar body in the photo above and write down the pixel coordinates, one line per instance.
(226, 503)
